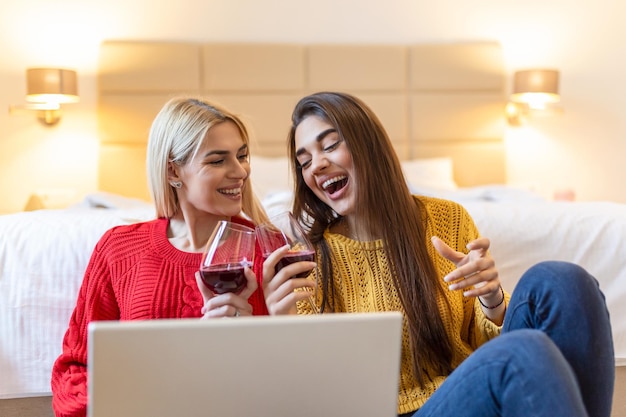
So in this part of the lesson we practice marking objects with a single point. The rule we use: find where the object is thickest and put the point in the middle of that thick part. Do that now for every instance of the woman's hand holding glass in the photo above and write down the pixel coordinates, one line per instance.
(225, 278)
(289, 261)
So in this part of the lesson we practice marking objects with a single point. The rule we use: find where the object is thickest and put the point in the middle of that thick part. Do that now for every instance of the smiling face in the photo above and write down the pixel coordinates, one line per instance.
(214, 177)
(327, 167)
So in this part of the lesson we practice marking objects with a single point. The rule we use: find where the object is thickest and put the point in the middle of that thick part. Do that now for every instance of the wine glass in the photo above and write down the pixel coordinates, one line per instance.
(229, 250)
(283, 229)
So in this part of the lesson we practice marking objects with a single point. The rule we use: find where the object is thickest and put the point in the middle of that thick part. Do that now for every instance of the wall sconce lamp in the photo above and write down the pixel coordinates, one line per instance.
(47, 89)
(533, 90)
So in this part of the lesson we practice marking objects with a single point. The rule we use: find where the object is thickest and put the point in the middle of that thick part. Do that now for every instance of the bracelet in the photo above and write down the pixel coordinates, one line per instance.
(497, 305)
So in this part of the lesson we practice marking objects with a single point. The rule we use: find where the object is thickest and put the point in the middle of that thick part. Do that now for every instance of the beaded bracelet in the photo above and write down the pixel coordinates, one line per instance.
(497, 305)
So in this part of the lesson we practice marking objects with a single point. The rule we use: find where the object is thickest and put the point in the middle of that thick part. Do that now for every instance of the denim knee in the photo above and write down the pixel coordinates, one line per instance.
(566, 278)
(565, 302)
(558, 270)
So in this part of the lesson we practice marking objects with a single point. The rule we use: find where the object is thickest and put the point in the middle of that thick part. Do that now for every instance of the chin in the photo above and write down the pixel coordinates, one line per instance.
(343, 209)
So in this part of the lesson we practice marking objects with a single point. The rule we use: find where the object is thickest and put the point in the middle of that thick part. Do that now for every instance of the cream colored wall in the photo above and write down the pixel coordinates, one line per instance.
(582, 149)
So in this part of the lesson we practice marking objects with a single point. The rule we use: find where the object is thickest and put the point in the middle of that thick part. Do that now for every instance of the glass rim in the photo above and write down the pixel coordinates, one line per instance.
(235, 226)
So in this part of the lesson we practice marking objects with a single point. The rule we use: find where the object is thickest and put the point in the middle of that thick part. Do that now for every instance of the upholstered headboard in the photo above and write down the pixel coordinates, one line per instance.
(434, 99)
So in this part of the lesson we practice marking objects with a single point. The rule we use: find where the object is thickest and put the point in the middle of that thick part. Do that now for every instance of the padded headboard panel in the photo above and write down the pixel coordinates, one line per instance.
(433, 99)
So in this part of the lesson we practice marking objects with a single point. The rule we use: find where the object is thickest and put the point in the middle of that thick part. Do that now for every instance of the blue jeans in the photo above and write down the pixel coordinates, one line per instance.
(554, 357)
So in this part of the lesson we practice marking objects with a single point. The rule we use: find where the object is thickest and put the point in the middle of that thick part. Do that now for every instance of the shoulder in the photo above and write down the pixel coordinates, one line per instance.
(449, 220)
(438, 206)
(129, 234)
(139, 227)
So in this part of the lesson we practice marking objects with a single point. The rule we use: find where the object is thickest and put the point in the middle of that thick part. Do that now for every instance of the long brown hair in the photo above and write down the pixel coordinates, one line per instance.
(383, 200)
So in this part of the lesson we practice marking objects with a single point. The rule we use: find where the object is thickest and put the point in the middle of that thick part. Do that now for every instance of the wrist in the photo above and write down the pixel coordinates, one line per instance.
(497, 304)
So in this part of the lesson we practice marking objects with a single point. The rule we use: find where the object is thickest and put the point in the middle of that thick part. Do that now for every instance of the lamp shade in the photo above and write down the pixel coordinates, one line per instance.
(51, 85)
(536, 87)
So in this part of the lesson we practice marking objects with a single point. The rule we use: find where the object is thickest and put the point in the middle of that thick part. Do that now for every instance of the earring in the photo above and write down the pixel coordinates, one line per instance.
(176, 184)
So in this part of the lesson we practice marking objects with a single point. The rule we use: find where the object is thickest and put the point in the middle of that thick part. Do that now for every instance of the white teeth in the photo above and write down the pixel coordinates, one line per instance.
(233, 191)
(333, 180)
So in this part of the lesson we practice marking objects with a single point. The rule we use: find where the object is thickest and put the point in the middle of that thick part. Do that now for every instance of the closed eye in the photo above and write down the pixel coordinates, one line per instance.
(333, 146)
(305, 164)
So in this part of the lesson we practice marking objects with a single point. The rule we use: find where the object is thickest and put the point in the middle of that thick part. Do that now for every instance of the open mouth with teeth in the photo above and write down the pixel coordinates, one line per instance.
(335, 184)
(230, 192)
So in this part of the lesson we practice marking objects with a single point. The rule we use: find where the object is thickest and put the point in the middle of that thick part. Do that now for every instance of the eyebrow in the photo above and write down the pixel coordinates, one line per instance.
(318, 139)
(223, 152)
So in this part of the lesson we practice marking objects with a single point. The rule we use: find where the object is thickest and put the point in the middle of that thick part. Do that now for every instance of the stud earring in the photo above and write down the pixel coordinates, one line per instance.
(176, 184)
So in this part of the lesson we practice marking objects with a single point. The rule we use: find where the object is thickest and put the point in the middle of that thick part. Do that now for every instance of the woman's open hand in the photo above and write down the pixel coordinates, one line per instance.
(476, 272)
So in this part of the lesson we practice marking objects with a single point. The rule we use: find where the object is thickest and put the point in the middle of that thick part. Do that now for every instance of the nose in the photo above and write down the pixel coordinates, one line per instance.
(239, 169)
(318, 162)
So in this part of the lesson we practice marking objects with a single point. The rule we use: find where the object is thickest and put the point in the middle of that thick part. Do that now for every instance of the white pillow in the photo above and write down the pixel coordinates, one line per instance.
(270, 175)
(429, 174)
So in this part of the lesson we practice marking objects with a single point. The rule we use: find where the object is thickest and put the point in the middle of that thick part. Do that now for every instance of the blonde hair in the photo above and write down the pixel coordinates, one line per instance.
(175, 136)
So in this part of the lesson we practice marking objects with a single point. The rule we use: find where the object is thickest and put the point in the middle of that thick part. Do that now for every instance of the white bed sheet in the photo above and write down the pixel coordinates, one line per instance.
(590, 234)
(37, 292)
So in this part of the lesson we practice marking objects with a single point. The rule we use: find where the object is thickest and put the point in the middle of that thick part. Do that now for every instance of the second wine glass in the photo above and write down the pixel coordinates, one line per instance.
(283, 229)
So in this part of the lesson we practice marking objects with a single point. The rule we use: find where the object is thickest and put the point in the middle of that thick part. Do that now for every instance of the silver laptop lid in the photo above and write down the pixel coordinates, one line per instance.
(318, 365)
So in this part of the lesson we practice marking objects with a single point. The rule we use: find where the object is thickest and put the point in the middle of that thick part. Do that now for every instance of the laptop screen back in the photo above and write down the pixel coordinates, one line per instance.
(318, 365)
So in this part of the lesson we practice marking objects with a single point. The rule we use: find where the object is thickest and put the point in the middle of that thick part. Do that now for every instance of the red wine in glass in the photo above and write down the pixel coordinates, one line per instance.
(283, 229)
(224, 278)
(229, 249)
(293, 257)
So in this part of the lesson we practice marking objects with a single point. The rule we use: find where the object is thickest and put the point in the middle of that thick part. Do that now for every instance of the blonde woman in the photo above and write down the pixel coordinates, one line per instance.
(198, 171)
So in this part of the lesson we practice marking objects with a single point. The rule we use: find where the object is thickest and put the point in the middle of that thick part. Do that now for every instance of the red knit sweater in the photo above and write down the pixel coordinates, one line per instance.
(134, 274)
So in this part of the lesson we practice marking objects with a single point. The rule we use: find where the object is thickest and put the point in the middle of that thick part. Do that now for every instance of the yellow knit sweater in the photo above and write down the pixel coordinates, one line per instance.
(370, 289)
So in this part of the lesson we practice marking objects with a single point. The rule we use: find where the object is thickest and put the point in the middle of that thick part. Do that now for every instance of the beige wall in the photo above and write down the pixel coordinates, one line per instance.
(581, 149)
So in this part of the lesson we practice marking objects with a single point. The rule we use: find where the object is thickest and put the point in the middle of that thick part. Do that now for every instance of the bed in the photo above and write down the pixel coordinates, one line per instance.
(417, 90)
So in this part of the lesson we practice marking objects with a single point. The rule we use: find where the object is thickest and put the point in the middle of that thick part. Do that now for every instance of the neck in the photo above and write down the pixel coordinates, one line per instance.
(190, 234)
(349, 227)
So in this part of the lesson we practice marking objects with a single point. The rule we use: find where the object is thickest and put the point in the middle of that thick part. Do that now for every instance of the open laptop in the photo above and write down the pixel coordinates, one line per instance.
(305, 366)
